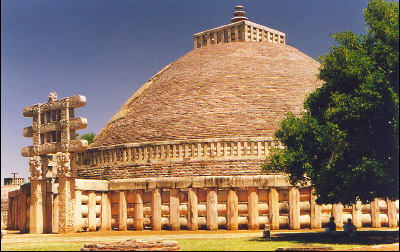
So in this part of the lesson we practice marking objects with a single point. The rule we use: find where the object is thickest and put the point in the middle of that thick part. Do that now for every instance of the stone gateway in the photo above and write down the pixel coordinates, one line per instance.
(185, 150)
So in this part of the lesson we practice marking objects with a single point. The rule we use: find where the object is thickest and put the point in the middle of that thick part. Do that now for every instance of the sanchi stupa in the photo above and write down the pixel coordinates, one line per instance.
(185, 150)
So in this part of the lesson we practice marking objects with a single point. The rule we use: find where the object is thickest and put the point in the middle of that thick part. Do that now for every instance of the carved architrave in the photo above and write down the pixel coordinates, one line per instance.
(35, 166)
(53, 122)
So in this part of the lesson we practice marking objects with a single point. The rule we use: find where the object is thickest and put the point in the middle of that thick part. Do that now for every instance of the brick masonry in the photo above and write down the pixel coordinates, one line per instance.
(173, 169)
(238, 89)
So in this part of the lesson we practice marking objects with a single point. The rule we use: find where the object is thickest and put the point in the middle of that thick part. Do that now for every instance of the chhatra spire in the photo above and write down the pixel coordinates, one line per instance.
(240, 29)
(239, 14)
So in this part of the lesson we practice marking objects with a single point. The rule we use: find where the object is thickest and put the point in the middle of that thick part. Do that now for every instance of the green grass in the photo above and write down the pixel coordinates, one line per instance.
(243, 244)
(42, 246)
(235, 244)
(365, 238)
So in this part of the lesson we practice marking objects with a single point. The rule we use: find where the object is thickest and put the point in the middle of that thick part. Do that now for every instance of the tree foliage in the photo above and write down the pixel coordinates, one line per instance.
(346, 141)
(89, 137)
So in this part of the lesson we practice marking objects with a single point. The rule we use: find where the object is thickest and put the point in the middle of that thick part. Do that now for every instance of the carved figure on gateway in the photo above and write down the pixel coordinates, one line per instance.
(52, 96)
(63, 163)
(193, 160)
(35, 166)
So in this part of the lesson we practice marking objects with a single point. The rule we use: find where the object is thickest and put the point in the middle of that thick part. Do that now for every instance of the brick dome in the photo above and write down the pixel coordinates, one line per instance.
(224, 90)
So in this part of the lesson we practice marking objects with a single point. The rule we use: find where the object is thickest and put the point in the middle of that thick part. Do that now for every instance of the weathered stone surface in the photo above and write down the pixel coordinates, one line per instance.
(4, 202)
(92, 185)
(53, 126)
(133, 245)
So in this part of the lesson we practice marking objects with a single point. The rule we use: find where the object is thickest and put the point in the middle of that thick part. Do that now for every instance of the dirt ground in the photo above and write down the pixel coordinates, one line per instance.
(390, 244)
(386, 247)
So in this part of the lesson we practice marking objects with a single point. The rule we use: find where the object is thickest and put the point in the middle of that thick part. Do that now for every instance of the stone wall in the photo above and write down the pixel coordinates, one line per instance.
(4, 202)
(202, 202)
(208, 157)
(19, 202)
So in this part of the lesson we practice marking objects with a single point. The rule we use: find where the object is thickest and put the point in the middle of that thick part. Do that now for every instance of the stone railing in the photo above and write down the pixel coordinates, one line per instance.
(238, 31)
(215, 202)
(203, 202)
(178, 151)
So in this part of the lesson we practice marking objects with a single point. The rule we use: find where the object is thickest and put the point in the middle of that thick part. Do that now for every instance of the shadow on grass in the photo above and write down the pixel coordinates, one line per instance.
(362, 238)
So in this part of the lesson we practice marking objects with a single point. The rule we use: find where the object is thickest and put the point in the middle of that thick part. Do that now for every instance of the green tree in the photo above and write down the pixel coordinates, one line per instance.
(346, 141)
(89, 137)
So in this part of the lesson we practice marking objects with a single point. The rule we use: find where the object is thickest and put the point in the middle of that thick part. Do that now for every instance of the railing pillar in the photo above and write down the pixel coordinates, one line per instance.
(212, 208)
(174, 214)
(193, 210)
(294, 208)
(253, 208)
(232, 209)
(138, 220)
(156, 209)
(274, 208)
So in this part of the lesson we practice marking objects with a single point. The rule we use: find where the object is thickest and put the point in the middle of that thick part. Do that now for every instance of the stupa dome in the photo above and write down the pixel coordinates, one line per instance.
(224, 90)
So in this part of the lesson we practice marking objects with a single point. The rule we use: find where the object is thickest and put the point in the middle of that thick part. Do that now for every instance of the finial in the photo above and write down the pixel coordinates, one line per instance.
(239, 14)
(52, 96)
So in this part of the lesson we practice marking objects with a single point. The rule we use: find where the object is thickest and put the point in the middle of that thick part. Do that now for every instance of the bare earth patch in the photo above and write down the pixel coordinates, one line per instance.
(385, 247)
(384, 239)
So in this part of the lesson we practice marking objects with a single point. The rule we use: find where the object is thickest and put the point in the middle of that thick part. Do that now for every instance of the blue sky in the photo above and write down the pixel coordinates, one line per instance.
(106, 50)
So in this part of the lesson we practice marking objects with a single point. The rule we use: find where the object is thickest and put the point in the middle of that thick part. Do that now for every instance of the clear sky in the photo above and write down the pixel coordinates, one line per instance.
(106, 50)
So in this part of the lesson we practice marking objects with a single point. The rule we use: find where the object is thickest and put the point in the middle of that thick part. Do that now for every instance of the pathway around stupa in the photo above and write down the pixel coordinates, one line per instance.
(107, 236)
(15, 237)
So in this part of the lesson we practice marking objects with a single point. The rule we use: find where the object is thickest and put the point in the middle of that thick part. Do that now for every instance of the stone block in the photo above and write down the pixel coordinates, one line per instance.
(166, 182)
(184, 182)
(224, 181)
(281, 180)
(133, 245)
(91, 185)
(211, 181)
(199, 182)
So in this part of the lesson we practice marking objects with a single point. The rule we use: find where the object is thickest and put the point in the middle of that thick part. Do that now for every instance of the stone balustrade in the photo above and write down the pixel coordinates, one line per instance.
(161, 151)
(203, 202)
(239, 31)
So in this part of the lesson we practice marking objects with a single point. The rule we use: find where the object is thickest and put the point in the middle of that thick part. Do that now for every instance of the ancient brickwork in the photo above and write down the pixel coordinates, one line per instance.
(185, 151)
(173, 169)
(221, 91)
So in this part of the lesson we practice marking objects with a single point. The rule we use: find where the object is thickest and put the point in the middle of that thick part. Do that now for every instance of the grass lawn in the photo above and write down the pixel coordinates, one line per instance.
(42, 246)
(243, 244)
(239, 244)
(235, 244)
